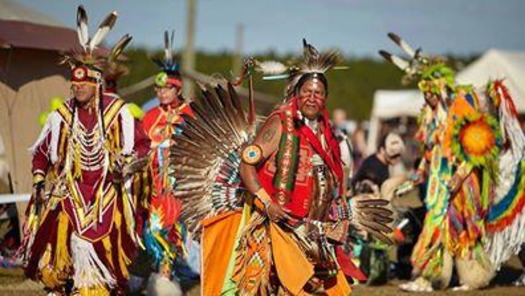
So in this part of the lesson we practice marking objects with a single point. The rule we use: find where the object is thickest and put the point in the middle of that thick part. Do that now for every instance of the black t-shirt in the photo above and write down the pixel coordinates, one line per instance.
(372, 169)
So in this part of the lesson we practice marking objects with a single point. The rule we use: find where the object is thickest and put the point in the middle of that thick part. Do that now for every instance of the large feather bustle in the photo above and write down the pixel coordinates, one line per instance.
(506, 218)
(206, 156)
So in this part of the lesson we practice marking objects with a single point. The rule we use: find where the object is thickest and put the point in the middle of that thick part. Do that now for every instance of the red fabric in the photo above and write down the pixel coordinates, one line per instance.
(499, 86)
(88, 184)
(142, 142)
(300, 196)
(348, 267)
(156, 119)
(308, 145)
(175, 82)
(158, 129)
(332, 156)
(40, 160)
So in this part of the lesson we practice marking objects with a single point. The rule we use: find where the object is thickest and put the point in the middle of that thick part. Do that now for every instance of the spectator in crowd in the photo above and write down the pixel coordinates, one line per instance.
(372, 174)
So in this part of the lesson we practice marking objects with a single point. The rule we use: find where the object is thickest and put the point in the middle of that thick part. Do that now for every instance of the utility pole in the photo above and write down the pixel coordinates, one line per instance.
(188, 59)
(237, 54)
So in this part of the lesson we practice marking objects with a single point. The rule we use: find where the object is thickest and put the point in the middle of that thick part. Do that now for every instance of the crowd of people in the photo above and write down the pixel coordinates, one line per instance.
(291, 206)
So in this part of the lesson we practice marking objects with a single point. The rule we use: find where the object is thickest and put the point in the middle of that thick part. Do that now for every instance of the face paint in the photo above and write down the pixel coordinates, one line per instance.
(312, 98)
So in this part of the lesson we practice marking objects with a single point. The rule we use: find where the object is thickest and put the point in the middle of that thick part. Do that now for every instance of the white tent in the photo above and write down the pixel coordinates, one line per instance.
(391, 104)
(4, 168)
(498, 64)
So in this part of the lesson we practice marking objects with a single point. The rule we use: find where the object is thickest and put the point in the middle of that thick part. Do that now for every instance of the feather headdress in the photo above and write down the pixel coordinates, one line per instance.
(420, 66)
(86, 63)
(314, 62)
(113, 68)
(170, 68)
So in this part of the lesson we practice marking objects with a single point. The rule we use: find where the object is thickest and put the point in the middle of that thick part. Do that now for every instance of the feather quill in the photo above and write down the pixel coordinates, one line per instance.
(82, 27)
(397, 61)
(168, 57)
(117, 50)
(103, 29)
(403, 45)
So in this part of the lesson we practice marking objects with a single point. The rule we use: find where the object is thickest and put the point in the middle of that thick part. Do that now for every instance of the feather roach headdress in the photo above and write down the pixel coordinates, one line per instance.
(170, 69)
(431, 72)
(314, 64)
(86, 63)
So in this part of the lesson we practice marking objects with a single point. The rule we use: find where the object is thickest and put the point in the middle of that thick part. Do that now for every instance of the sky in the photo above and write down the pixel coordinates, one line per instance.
(356, 27)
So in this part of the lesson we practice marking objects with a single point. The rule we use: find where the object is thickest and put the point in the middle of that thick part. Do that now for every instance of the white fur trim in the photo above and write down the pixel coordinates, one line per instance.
(52, 126)
(89, 269)
(159, 285)
(473, 273)
(128, 130)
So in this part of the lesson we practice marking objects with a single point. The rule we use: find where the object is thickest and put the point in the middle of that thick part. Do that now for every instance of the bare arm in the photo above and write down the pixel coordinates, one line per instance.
(267, 139)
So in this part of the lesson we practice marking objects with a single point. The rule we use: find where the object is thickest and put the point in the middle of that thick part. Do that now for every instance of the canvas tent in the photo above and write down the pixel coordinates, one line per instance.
(4, 168)
(498, 64)
(390, 104)
(494, 64)
(30, 48)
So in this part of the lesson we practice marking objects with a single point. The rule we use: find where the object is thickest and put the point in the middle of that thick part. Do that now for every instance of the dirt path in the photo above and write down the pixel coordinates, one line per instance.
(12, 282)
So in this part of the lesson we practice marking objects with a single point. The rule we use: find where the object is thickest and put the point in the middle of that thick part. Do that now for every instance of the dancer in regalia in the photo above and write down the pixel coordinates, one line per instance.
(80, 234)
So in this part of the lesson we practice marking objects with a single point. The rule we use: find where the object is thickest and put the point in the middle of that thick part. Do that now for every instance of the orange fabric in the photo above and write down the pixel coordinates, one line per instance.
(340, 286)
(300, 196)
(460, 107)
(293, 268)
(157, 118)
(218, 238)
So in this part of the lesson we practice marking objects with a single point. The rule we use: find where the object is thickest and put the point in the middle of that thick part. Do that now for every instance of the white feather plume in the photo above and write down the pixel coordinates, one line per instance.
(271, 67)
(401, 63)
(82, 27)
(103, 30)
